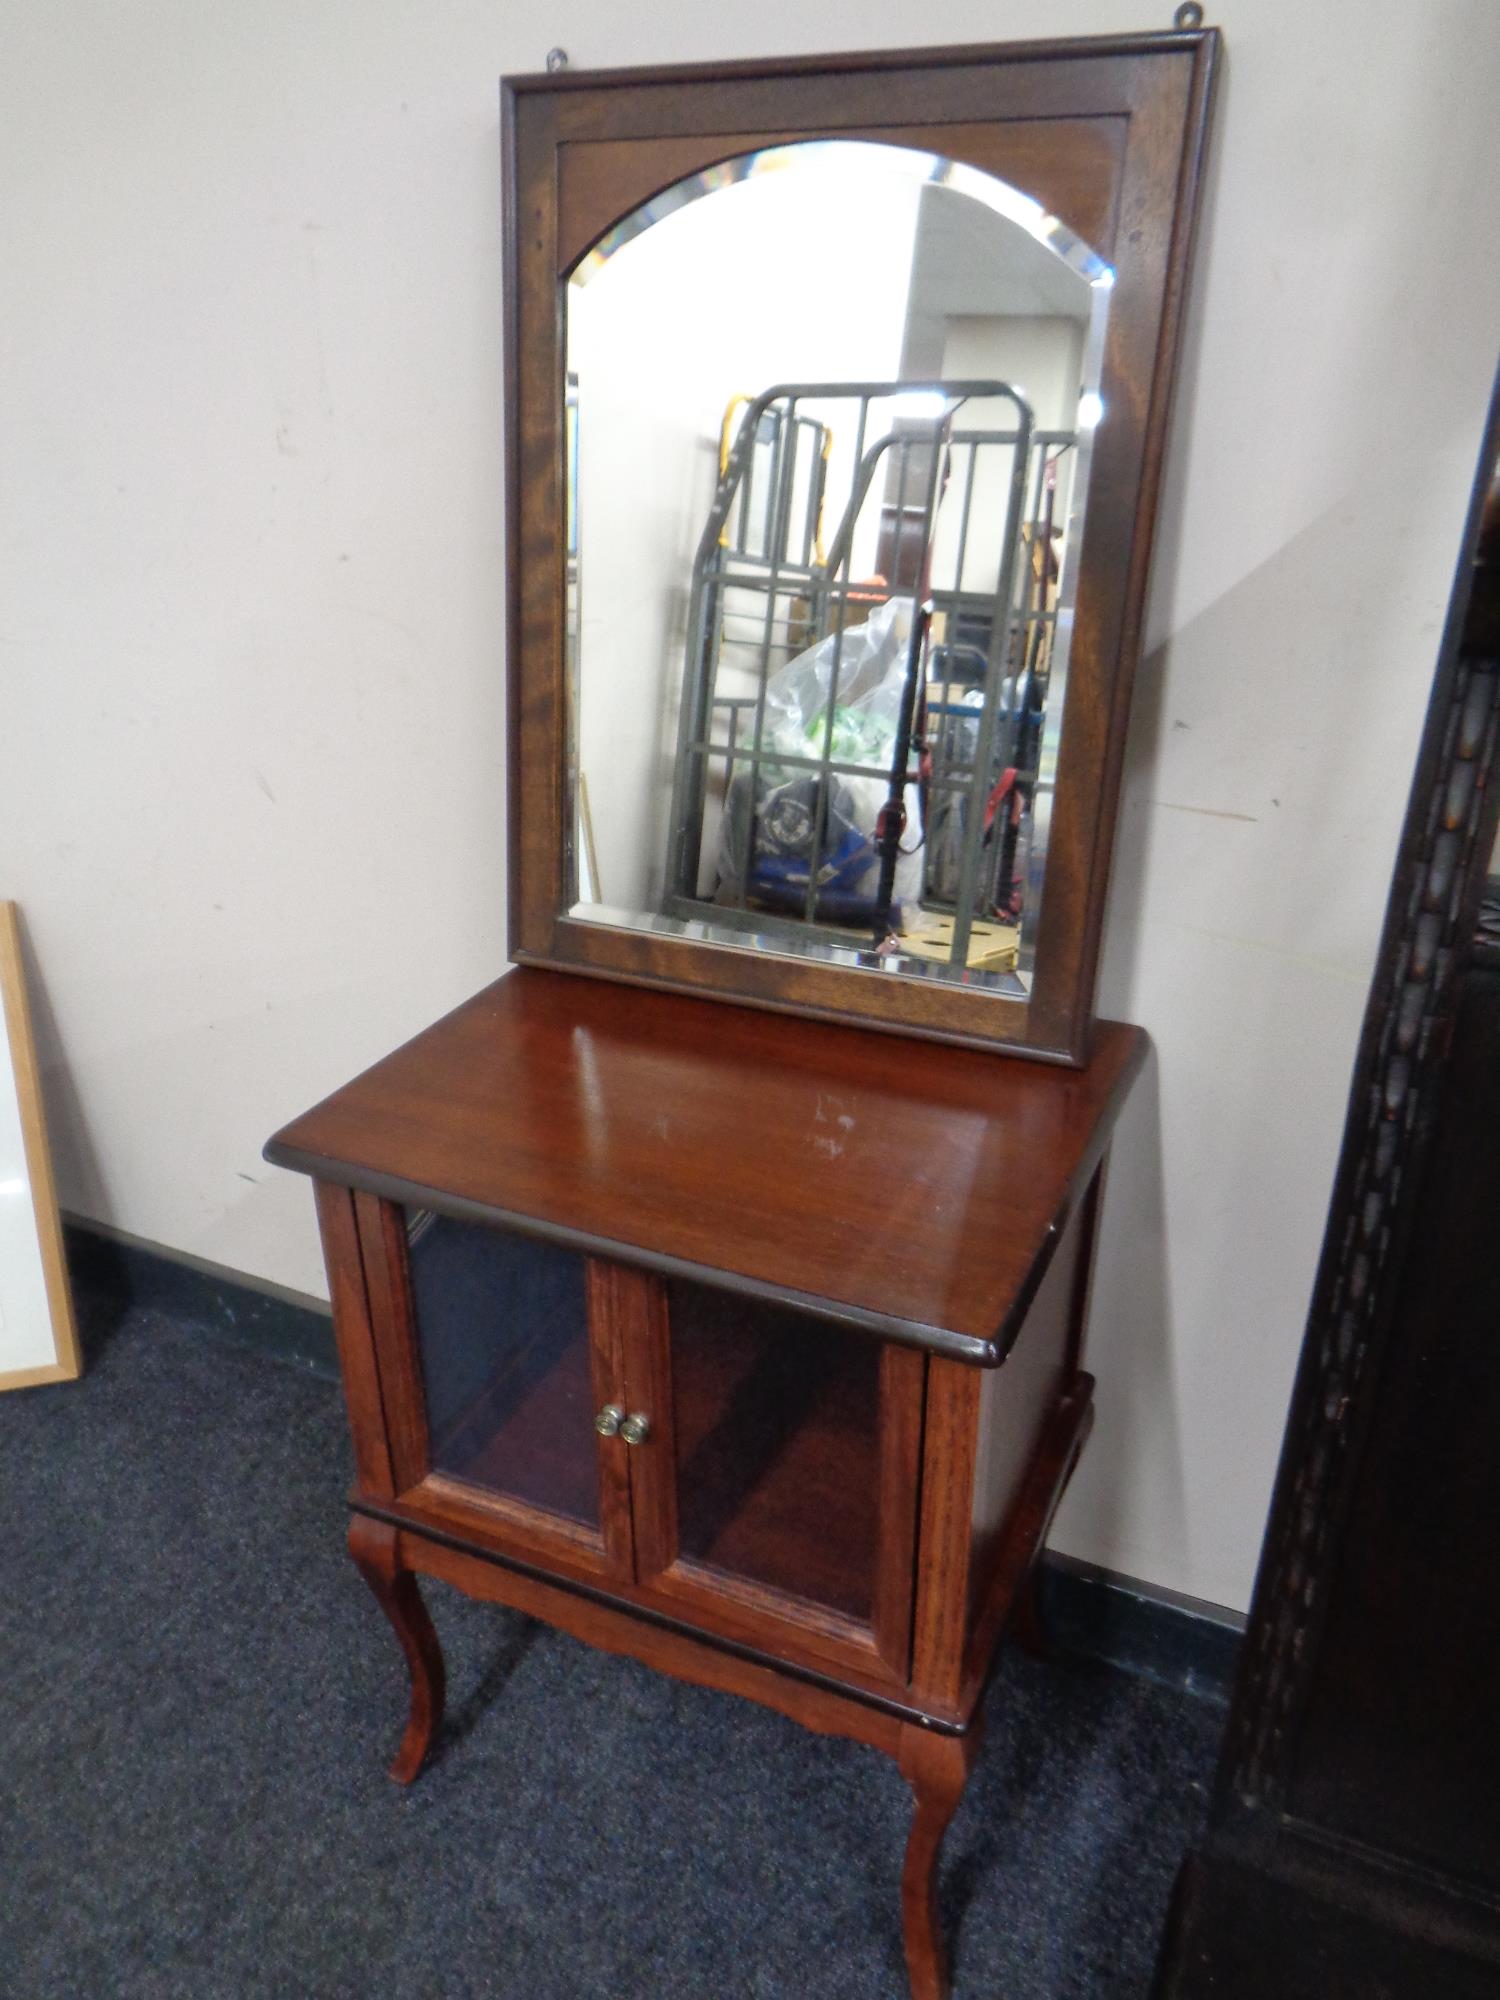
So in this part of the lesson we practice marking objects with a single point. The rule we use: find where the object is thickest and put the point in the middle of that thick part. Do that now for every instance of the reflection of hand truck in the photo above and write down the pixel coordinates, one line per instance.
(765, 589)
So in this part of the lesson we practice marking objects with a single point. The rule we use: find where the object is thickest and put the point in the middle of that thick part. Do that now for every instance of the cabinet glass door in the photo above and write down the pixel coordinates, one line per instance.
(794, 1443)
(509, 1373)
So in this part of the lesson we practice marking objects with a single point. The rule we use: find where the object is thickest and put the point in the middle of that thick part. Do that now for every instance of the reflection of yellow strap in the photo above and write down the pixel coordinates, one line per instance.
(724, 430)
(820, 553)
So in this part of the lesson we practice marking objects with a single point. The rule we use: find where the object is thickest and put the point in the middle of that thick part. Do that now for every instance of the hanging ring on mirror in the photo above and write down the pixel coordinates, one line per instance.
(1188, 15)
(558, 58)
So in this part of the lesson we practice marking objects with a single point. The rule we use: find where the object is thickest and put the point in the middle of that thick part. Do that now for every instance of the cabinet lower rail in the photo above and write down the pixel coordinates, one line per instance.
(661, 1641)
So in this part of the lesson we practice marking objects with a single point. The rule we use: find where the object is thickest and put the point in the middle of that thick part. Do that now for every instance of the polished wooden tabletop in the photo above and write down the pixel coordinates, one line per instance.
(909, 1187)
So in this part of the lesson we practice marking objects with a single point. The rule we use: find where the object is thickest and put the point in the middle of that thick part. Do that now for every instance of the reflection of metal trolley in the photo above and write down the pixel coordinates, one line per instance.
(824, 687)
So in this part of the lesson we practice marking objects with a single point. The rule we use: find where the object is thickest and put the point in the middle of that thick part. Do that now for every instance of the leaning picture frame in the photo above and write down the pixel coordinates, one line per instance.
(38, 1332)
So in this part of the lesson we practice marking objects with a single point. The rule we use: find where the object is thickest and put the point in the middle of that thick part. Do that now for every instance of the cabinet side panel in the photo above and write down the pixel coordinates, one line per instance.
(356, 1341)
(997, 1448)
(1016, 1400)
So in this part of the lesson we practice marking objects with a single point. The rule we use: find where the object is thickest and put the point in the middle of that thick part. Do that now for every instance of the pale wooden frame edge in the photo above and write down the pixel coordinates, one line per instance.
(15, 1011)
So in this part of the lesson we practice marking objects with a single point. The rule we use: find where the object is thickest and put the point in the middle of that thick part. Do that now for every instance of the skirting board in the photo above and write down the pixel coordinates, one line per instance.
(114, 1273)
(1176, 1641)
(1092, 1613)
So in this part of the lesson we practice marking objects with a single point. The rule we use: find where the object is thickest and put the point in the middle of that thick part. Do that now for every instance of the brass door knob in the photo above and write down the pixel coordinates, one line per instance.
(636, 1428)
(609, 1420)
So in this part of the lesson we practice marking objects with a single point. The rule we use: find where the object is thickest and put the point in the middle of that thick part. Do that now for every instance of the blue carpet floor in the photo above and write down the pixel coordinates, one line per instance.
(198, 1700)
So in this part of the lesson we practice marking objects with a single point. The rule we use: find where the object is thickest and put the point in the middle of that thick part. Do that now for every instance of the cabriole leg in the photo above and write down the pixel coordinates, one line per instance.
(937, 1769)
(373, 1547)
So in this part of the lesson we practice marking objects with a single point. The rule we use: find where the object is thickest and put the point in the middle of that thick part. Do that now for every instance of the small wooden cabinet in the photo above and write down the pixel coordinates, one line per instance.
(748, 1346)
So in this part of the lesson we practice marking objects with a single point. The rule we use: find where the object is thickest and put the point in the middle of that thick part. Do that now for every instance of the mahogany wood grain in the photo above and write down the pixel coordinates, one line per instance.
(1146, 100)
(1039, 53)
(950, 1447)
(637, 1303)
(802, 1639)
(670, 1649)
(382, 1241)
(903, 1393)
(339, 1229)
(907, 1188)
(937, 1769)
(373, 1545)
(772, 1621)
(491, 1518)
(1071, 166)
(614, 1295)
(538, 826)
(919, 1009)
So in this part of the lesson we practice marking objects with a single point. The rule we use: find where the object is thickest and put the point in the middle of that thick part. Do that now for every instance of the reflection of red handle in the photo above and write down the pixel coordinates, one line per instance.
(1006, 788)
(883, 821)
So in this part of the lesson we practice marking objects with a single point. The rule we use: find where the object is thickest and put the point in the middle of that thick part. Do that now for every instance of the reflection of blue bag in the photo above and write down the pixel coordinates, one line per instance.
(782, 851)
(784, 839)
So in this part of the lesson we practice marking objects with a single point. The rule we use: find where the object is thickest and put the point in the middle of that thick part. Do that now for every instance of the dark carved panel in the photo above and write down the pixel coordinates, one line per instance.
(1405, 1045)
(1351, 1846)
(1405, 1692)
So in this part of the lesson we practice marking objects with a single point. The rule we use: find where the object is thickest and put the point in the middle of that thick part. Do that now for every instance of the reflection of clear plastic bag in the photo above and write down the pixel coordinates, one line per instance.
(872, 661)
(872, 673)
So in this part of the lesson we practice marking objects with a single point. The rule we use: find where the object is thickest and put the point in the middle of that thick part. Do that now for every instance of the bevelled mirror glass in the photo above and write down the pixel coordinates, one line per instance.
(836, 409)
(824, 508)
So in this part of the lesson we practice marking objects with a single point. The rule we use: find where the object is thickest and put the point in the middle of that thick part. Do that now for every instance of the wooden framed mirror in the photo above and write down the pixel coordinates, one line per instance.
(837, 400)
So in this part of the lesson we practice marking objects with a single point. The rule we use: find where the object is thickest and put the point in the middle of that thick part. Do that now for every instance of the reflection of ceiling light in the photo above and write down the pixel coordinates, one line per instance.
(12, 1187)
(1090, 410)
(927, 405)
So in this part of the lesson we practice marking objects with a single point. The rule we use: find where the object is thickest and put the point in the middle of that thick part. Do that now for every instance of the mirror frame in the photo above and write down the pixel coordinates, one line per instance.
(581, 150)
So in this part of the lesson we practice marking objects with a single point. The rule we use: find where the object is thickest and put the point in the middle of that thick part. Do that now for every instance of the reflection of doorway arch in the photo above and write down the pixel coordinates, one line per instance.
(834, 156)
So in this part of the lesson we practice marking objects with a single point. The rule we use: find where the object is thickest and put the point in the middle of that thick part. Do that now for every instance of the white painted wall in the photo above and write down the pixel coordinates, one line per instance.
(251, 772)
